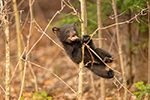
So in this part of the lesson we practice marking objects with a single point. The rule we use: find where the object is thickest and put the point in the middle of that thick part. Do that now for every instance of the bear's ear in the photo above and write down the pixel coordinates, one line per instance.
(75, 24)
(55, 29)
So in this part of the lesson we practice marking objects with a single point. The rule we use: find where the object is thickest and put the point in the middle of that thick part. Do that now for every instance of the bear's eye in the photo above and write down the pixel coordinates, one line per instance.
(67, 31)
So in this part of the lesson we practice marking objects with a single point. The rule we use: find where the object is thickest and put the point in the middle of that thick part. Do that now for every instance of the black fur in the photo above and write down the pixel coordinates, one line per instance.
(72, 44)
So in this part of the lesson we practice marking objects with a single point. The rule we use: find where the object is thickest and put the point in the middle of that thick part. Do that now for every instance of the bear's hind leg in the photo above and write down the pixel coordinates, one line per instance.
(101, 71)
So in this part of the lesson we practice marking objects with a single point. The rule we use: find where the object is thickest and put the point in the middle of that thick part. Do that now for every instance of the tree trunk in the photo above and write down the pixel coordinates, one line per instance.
(100, 44)
(81, 65)
(149, 44)
(130, 51)
(18, 37)
(6, 28)
(7, 58)
(120, 50)
(140, 63)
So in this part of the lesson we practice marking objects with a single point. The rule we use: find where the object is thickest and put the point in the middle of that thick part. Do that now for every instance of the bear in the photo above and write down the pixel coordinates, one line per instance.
(72, 44)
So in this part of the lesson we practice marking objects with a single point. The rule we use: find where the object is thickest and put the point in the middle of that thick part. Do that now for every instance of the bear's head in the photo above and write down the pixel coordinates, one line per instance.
(67, 33)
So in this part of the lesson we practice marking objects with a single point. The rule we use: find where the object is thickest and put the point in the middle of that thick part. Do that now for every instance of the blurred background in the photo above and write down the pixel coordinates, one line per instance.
(134, 38)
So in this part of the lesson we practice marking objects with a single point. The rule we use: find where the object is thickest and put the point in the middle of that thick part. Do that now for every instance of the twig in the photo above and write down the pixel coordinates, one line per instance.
(3, 89)
(23, 78)
(120, 49)
(113, 40)
(17, 66)
(11, 12)
(113, 16)
(53, 59)
(28, 45)
(120, 23)
(123, 86)
(23, 26)
(39, 66)
(74, 10)
(35, 43)
(101, 59)
(58, 12)
(34, 76)
(44, 32)
(27, 48)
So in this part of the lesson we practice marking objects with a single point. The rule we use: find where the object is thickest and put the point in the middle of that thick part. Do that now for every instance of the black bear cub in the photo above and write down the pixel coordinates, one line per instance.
(72, 43)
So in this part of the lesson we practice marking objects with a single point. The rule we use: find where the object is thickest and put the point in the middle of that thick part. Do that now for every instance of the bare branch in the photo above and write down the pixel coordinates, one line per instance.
(74, 10)
(3, 89)
(44, 68)
(101, 59)
(120, 23)
(123, 86)
(44, 32)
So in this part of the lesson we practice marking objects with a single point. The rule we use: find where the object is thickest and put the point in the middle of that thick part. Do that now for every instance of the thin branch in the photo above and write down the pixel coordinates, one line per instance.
(34, 76)
(39, 66)
(74, 10)
(44, 32)
(120, 23)
(58, 12)
(23, 79)
(123, 86)
(17, 66)
(18, 36)
(113, 16)
(120, 49)
(3, 89)
(101, 59)
(28, 45)
(26, 20)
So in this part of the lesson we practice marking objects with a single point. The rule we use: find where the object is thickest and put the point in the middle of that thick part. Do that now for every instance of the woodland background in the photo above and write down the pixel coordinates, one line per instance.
(34, 67)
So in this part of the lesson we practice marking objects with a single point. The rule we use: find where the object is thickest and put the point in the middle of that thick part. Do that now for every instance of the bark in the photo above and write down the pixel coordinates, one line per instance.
(149, 45)
(81, 65)
(7, 58)
(6, 28)
(100, 45)
(130, 51)
(120, 50)
(18, 37)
